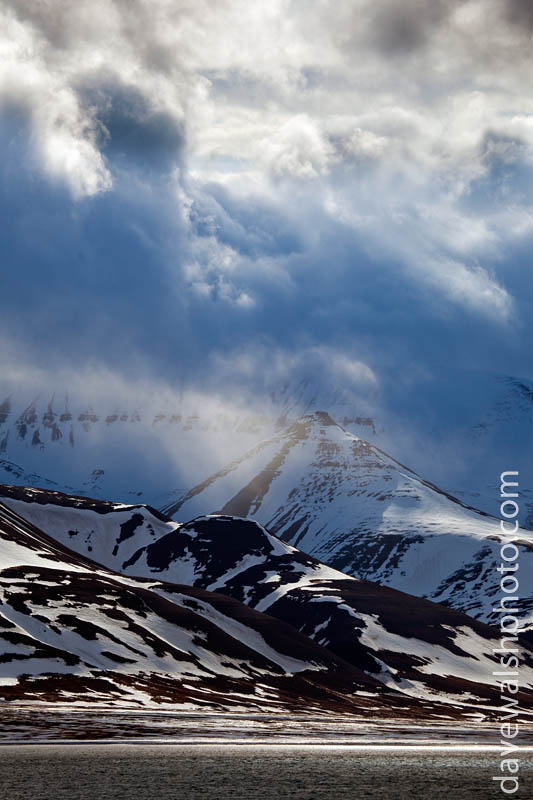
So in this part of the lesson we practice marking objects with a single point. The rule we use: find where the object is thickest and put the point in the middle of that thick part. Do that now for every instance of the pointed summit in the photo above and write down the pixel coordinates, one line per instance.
(354, 507)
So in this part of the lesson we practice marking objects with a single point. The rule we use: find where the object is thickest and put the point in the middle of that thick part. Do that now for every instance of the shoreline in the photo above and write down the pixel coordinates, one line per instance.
(69, 727)
(241, 744)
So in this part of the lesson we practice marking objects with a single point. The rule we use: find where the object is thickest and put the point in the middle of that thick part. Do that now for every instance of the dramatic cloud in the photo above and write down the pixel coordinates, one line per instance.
(400, 28)
(189, 187)
(520, 12)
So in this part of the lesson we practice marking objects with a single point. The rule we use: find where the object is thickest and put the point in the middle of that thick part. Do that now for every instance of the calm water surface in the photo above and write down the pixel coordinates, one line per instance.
(126, 772)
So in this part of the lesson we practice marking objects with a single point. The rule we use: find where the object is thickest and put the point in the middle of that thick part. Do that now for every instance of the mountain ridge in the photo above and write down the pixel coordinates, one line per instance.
(74, 632)
(354, 507)
(412, 647)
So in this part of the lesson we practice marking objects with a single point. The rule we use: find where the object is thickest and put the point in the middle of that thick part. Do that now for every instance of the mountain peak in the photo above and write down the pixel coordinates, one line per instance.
(349, 504)
(321, 418)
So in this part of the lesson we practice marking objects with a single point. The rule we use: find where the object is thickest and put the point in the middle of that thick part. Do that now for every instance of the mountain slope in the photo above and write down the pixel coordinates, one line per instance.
(108, 533)
(405, 643)
(352, 506)
(71, 631)
(408, 643)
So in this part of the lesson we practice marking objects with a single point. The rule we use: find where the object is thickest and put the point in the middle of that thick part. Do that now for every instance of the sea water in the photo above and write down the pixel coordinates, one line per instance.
(191, 772)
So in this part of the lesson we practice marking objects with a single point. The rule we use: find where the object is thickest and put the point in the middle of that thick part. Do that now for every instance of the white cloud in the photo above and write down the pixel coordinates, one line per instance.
(274, 367)
(296, 148)
(269, 82)
(351, 371)
(63, 134)
(471, 287)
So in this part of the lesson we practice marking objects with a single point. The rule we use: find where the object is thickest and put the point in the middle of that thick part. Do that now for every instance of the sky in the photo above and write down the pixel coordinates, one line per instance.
(193, 191)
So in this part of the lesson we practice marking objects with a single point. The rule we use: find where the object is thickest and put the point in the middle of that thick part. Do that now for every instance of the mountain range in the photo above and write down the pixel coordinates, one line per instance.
(457, 429)
(307, 569)
(73, 632)
(142, 619)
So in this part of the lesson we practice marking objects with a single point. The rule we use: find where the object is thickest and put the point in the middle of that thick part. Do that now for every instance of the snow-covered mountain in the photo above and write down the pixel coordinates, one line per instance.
(418, 648)
(73, 632)
(458, 429)
(359, 510)
(137, 449)
(349, 504)
(129, 452)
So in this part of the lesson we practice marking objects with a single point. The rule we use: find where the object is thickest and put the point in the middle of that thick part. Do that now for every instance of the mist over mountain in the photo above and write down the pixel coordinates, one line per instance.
(208, 220)
(109, 438)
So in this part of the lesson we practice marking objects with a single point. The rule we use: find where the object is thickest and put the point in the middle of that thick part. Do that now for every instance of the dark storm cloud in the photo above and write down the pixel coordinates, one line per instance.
(519, 12)
(104, 279)
(398, 28)
(131, 132)
(403, 27)
(90, 280)
(49, 19)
